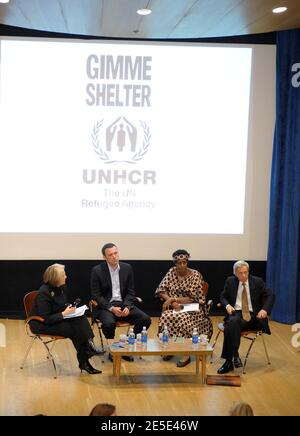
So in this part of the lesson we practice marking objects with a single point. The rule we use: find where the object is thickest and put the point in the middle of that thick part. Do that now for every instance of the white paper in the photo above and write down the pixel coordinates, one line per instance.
(79, 311)
(191, 307)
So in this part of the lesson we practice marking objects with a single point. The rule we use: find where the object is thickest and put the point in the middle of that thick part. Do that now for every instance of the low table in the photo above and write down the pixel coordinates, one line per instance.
(156, 348)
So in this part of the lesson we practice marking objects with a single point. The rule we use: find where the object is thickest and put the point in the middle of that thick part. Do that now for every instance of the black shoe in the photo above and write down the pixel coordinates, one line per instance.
(237, 362)
(166, 357)
(94, 349)
(86, 366)
(181, 363)
(128, 358)
(227, 367)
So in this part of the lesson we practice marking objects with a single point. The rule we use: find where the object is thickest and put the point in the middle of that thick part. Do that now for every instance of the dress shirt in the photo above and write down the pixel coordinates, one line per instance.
(115, 281)
(238, 303)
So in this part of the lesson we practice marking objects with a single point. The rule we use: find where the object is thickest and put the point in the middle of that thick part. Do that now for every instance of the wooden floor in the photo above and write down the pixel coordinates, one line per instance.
(149, 386)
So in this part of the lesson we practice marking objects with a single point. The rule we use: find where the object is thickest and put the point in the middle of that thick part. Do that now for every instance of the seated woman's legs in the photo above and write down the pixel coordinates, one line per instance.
(76, 329)
(81, 334)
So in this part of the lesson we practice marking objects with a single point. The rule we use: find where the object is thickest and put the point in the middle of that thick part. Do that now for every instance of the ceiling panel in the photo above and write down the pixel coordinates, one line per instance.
(169, 18)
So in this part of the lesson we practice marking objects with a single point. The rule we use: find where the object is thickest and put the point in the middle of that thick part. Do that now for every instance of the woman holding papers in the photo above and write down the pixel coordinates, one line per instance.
(51, 305)
(183, 286)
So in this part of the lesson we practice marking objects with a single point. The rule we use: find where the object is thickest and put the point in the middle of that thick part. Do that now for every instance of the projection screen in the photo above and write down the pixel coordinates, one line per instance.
(153, 146)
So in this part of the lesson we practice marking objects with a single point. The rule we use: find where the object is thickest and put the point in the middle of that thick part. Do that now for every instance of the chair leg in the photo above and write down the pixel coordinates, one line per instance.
(251, 345)
(101, 340)
(214, 344)
(27, 352)
(98, 324)
(266, 351)
(248, 352)
(52, 346)
(49, 354)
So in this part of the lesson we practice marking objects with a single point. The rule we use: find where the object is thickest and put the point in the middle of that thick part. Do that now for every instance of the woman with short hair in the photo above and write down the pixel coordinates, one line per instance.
(52, 305)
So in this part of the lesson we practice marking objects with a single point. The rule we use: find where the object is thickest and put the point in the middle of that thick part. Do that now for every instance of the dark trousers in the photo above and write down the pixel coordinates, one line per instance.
(77, 329)
(233, 326)
(136, 317)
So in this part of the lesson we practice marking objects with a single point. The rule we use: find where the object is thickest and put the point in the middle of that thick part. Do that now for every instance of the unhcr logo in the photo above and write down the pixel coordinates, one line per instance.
(121, 141)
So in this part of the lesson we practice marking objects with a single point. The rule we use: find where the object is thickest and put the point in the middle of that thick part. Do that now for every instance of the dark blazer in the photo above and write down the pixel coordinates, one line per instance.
(261, 297)
(101, 285)
(50, 303)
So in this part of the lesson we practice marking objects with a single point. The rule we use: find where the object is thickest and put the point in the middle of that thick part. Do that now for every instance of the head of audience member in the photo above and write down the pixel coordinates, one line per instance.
(241, 270)
(241, 409)
(103, 409)
(110, 253)
(180, 259)
(55, 275)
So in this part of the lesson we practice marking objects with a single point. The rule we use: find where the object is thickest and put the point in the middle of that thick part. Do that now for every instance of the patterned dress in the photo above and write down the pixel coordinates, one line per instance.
(182, 324)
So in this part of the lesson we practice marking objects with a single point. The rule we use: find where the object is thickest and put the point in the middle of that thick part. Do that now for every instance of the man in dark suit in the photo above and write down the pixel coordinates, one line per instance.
(248, 303)
(112, 286)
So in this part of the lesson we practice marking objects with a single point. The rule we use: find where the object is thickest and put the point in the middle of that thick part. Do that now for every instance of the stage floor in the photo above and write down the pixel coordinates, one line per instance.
(149, 386)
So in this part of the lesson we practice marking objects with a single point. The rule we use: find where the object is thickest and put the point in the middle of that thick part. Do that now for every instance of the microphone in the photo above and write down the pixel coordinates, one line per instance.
(76, 302)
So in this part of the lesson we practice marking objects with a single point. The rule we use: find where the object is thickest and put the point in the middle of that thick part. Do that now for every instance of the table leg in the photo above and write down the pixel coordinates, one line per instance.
(203, 372)
(197, 363)
(118, 369)
(114, 364)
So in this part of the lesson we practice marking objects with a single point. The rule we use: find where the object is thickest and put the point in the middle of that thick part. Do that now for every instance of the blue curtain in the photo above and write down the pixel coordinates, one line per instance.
(283, 263)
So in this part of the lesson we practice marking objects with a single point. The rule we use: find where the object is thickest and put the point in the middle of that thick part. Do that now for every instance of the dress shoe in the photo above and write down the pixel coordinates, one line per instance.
(237, 362)
(86, 366)
(227, 367)
(182, 363)
(166, 357)
(128, 358)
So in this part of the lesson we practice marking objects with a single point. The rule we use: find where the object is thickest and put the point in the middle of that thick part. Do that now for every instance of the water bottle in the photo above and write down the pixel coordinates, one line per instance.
(131, 337)
(144, 335)
(165, 337)
(195, 336)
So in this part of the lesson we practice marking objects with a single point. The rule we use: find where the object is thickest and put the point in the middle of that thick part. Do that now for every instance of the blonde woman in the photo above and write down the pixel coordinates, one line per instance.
(52, 305)
(241, 409)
